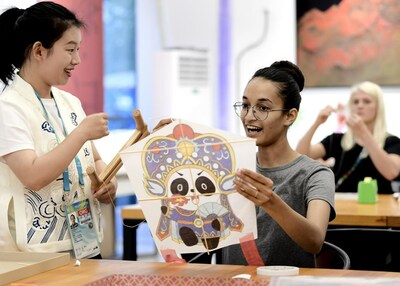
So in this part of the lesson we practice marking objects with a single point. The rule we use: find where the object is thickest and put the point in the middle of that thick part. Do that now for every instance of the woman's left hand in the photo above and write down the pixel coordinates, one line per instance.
(106, 194)
(254, 186)
(358, 126)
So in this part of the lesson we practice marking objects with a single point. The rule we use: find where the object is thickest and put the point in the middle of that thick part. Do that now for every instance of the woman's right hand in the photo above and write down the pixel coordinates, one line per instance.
(324, 114)
(94, 126)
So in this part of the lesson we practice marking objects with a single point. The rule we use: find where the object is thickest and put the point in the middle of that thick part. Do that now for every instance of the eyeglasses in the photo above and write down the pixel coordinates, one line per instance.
(260, 111)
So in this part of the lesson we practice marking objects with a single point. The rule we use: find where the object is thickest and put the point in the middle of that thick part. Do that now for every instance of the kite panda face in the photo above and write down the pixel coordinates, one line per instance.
(190, 185)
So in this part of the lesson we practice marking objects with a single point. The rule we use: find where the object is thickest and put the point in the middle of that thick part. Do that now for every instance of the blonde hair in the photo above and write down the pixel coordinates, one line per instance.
(380, 129)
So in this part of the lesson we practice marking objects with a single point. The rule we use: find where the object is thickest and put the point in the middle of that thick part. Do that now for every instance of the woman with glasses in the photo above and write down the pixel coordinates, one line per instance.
(293, 194)
(366, 149)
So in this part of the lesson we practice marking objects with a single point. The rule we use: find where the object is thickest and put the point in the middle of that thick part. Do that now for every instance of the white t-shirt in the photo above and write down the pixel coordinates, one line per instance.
(17, 135)
(35, 220)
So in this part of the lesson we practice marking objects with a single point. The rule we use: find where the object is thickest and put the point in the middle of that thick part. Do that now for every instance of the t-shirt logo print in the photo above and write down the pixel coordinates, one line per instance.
(86, 152)
(73, 118)
(47, 127)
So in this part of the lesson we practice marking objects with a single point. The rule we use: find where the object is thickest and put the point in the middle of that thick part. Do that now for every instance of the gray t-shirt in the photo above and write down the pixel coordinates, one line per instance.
(297, 183)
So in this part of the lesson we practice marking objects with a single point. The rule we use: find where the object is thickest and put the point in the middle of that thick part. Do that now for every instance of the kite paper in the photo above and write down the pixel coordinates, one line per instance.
(182, 176)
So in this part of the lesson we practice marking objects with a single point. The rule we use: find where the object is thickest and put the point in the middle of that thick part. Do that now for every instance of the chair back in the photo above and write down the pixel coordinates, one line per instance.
(333, 257)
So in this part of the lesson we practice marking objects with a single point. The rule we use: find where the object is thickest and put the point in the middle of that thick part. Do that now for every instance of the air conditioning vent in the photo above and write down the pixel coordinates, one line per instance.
(193, 71)
(182, 86)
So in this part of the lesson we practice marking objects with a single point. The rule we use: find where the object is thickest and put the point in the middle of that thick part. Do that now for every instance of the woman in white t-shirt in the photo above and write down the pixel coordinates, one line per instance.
(45, 136)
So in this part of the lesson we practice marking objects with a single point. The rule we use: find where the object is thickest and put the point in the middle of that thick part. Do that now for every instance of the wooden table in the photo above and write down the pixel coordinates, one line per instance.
(385, 213)
(93, 270)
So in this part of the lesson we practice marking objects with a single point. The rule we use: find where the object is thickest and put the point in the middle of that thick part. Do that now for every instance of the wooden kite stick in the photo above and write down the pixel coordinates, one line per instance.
(116, 164)
(113, 167)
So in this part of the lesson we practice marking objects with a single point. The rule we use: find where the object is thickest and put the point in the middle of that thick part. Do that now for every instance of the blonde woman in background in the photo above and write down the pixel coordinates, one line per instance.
(366, 149)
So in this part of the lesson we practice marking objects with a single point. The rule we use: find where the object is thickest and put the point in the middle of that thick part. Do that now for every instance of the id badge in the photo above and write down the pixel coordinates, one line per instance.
(82, 229)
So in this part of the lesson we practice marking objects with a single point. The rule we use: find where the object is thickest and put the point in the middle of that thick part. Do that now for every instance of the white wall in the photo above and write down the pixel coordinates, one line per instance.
(193, 23)
(161, 24)
(272, 28)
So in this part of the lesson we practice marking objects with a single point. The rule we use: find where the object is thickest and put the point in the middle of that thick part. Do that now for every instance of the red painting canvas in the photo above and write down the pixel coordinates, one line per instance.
(344, 42)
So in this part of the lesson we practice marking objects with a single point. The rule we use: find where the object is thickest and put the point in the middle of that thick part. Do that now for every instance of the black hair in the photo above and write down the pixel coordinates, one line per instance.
(43, 22)
(289, 80)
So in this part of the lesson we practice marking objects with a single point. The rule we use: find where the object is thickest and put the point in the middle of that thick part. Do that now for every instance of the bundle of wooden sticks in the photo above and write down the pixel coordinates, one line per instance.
(112, 168)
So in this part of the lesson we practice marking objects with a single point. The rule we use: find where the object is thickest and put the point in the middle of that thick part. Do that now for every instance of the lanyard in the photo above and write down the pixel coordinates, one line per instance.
(66, 185)
(348, 173)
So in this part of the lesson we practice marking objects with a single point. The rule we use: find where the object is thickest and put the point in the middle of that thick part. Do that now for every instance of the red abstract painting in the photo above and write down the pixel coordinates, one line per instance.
(349, 41)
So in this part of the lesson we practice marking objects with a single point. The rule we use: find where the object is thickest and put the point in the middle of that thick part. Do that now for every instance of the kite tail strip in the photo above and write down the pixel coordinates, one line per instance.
(250, 250)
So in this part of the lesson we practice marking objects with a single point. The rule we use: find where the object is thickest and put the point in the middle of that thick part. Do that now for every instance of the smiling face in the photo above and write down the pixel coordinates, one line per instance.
(62, 58)
(265, 94)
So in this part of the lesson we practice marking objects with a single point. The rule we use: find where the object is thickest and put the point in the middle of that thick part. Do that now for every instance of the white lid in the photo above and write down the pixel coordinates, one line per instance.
(277, 270)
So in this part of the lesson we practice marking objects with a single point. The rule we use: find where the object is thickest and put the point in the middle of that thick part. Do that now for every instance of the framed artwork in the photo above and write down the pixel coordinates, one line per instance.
(342, 42)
